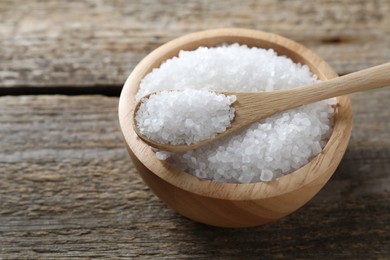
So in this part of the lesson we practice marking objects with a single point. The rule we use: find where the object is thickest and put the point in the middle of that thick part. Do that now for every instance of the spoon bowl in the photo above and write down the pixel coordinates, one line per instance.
(224, 204)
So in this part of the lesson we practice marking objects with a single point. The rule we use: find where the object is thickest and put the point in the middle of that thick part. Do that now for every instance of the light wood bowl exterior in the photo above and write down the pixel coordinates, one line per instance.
(233, 205)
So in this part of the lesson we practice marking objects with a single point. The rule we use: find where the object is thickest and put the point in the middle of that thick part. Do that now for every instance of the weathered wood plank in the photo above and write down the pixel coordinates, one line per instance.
(68, 188)
(94, 43)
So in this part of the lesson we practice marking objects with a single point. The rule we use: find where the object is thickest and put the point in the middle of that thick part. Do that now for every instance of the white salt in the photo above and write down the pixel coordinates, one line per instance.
(184, 117)
(267, 149)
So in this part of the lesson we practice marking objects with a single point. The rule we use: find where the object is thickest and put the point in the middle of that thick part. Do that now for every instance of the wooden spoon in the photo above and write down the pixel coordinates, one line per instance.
(254, 106)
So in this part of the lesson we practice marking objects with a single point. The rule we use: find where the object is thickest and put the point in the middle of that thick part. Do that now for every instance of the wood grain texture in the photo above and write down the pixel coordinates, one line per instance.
(97, 43)
(68, 189)
(67, 186)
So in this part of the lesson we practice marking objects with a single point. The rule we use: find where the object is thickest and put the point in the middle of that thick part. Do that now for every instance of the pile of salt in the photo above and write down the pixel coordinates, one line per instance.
(266, 150)
(184, 117)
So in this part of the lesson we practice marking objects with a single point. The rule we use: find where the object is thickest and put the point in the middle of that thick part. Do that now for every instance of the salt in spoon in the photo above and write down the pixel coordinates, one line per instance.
(251, 107)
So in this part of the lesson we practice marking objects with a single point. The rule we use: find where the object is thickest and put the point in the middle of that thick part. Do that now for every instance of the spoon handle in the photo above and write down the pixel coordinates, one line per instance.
(371, 78)
(252, 107)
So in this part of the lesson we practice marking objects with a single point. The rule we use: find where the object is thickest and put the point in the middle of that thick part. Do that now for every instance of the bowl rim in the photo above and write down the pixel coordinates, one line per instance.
(306, 175)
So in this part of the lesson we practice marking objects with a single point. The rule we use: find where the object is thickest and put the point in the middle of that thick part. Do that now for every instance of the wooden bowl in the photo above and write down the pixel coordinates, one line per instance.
(223, 204)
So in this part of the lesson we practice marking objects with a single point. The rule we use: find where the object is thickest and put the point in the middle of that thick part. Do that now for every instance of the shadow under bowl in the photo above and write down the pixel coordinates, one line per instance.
(224, 204)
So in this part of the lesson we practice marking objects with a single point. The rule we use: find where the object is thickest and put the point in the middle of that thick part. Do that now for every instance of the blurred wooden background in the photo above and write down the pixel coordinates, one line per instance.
(67, 186)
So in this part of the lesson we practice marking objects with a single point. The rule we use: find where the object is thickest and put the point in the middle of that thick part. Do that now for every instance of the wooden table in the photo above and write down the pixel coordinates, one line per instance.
(67, 186)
